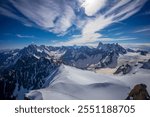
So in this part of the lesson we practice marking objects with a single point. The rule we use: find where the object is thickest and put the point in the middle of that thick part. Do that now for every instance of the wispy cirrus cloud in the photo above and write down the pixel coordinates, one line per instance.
(24, 36)
(89, 17)
(94, 43)
(52, 15)
(142, 30)
(120, 10)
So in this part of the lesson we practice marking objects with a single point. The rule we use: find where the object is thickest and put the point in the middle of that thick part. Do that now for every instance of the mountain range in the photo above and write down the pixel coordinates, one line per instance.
(32, 68)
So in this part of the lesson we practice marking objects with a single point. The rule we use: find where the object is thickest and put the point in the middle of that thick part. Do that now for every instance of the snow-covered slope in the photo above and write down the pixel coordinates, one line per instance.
(34, 67)
(142, 76)
(73, 83)
(132, 63)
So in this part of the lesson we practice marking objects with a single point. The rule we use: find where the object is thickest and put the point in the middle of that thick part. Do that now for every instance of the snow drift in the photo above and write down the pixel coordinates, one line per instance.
(73, 83)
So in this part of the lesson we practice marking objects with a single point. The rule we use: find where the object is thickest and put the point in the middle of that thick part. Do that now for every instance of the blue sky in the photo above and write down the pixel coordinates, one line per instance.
(73, 22)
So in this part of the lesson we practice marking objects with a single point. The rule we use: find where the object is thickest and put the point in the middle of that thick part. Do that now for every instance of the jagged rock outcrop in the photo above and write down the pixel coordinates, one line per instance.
(142, 52)
(112, 47)
(124, 69)
(27, 73)
(146, 65)
(139, 92)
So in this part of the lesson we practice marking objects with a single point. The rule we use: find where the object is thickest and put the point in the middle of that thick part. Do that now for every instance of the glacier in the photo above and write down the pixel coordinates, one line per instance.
(73, 83)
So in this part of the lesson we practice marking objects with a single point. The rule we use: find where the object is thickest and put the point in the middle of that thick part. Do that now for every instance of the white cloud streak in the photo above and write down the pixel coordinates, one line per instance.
(24, 36)
(58, 16)
(121, 11)
(52, 15)
(142, 30)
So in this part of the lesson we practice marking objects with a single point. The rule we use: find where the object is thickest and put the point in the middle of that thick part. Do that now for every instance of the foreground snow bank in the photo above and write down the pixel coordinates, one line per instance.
(73, 83)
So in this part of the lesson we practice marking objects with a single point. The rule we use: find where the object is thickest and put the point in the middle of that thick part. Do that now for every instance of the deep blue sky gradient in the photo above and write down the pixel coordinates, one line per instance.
(10, 28)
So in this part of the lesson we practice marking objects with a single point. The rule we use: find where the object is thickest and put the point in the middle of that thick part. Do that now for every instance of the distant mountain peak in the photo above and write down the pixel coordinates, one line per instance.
(99, 44)
(111, 47)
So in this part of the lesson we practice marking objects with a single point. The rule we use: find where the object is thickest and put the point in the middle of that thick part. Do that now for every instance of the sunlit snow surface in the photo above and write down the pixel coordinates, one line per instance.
(73, 83)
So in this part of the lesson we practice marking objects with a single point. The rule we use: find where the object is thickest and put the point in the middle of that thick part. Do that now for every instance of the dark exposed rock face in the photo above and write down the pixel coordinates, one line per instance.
(124, 69)
(105, 55)
(26, 74)
(130, 50)
(139, 92)
(142, 52)
(112, 47)
(146, 65)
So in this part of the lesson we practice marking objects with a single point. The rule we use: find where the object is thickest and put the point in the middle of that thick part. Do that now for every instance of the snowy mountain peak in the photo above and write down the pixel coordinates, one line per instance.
(62, 71)
(111, 47)
(100, 44)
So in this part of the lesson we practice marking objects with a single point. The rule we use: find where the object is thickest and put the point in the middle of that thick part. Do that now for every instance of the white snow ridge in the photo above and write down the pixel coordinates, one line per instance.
(73, 83)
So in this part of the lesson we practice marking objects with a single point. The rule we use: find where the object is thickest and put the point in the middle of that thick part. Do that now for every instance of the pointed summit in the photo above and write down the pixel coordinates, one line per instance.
(100, 44)
(111, 47)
